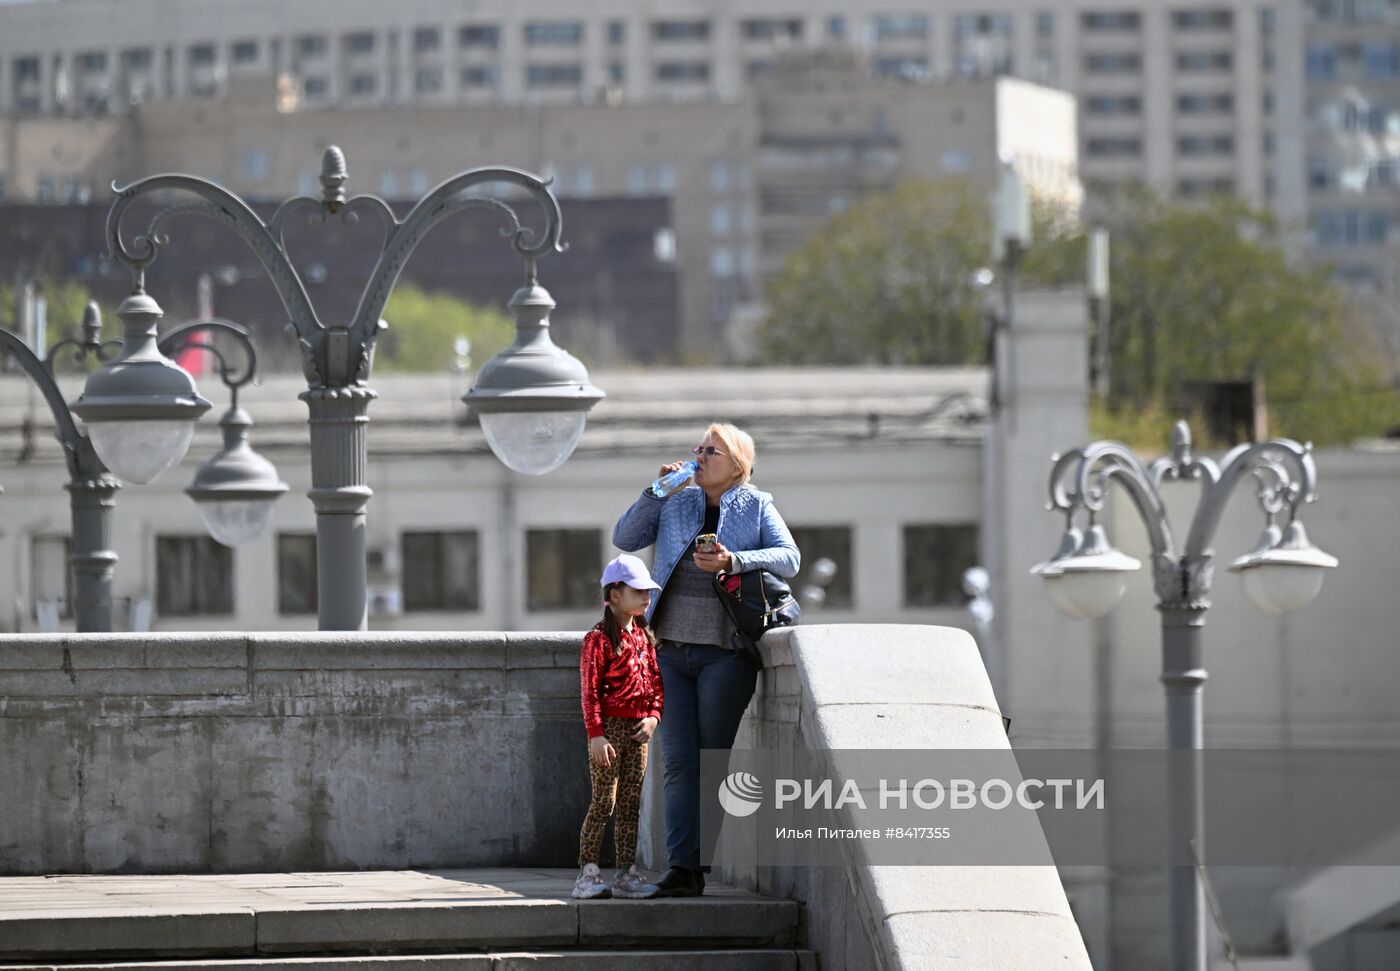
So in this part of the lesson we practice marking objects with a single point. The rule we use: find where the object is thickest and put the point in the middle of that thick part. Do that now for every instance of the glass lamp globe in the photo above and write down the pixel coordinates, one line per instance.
(236, 489)
(140, 407)
(1285, 572)
(533, 398)
(533, 442)
(1089, 581)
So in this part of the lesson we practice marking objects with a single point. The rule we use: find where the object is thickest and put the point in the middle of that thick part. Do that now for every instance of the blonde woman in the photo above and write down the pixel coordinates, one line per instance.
(707, 683)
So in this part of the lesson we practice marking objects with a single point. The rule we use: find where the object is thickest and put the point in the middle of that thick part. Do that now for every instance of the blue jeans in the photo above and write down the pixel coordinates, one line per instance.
(706, 689)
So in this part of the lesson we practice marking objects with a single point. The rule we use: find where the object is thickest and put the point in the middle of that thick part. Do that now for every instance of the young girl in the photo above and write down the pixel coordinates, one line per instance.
(621, 688)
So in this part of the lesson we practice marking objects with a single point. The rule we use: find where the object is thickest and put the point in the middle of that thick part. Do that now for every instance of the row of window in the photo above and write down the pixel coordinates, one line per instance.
(1353, 227)
(1186, 104)
(1187, 62)
(441, 570)
(1374, 60)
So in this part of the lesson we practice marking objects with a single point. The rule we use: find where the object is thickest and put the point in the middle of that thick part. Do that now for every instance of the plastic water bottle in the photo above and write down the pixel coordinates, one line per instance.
(672, 481)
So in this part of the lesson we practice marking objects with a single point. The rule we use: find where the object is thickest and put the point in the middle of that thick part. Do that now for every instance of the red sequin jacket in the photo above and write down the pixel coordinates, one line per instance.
(625, 684)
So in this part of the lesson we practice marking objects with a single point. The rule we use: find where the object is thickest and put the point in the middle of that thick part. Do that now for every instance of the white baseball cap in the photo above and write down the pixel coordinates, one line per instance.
(630, 570)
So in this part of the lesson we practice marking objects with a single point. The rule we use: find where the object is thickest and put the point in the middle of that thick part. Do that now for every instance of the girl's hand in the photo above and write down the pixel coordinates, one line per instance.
(669, 467)
(645, 728)
(717, 562)
(600, 752)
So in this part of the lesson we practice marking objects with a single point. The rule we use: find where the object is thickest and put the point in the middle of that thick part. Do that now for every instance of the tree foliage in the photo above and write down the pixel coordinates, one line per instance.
(424, 327)
(1199, 292)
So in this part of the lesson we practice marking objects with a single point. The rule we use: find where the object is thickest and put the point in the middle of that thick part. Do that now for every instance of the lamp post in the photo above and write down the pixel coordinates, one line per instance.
(145, 385)
(532, 399)
(1087, 576)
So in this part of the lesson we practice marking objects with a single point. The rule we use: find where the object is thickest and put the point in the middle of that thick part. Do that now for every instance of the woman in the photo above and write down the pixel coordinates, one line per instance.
(707, 682)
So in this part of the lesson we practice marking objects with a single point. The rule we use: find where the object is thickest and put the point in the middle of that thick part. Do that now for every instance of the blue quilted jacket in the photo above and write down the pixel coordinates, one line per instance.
(749, 527)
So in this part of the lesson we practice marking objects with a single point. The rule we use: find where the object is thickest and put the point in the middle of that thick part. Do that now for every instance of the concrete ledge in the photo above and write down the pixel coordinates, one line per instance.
(40, 934)
(542, 923)
(713, 921)
(629, 960)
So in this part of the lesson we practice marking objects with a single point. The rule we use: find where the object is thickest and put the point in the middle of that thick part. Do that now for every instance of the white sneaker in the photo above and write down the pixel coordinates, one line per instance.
(629, 885)
(590, 885)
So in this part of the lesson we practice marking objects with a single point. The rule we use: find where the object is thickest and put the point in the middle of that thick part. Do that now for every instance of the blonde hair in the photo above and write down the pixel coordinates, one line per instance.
(738, 443)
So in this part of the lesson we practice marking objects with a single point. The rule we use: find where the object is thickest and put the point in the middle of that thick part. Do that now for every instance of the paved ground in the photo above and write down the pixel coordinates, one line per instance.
(83, 894)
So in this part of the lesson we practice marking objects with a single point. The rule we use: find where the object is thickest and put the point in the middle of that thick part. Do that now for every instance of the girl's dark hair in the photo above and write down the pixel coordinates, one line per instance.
(612, 631)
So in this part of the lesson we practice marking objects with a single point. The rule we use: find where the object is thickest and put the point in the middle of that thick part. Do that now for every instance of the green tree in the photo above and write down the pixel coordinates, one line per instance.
(423, 328)
(1198, 292)
(66, 300)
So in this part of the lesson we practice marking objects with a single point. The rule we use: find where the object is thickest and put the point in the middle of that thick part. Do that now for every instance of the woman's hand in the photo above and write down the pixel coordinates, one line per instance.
(670, 467)
(600, 751)
(644, 731)
(718, 561)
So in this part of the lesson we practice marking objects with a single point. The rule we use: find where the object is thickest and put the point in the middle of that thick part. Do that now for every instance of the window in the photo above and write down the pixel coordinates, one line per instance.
(636, 179)
(553, 75)
(417, 182)
(1322, 62)
(426, 39)
(1205, 104)
(583, 181)
(254, 165)
(1200, 188)
(1192, 61)
(133, 59)
(1185, 20)
(311, 45)
(721, 263)
(91, 62)
(480, 76)
(441, 570)
(296, 573)
(389, 183)
(683, 71)
(1112, 63)
(194, 576)
(905, 68)
(1197, 145)
(360, 42)
(836, 27)
(1350, 228)
(1108, 105)
(666, 178)
(954, 160)
(27, 69)
(565, 33)
(1045, 24)
(719, 220)
(1382, 61)
(899, 26)
(759, 69)
(201, 55)
(562, 567)
(617, 31)
(428, 80)
(1113, 147)
(243, 52)
(51, 579)
(314, 87)
(678, 31)
(479, 35)
(1118, 21)
(819, 543)
(363, 84)
(719, 176)
(935, 556)
(770, 29)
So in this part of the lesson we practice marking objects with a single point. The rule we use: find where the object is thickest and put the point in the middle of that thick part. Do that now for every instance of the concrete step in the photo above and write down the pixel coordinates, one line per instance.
(88, 919)
(634, 959)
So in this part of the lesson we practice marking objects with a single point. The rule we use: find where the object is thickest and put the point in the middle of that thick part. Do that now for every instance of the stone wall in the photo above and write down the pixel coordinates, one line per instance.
(270, 752)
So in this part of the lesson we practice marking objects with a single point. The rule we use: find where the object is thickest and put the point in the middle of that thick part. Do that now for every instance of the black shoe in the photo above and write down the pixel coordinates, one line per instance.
(680, 881)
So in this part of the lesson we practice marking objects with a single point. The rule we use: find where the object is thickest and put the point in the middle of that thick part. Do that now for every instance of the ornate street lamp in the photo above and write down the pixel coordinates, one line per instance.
(235, 490)
(532, 399)
(1087, 576)
(92, 487)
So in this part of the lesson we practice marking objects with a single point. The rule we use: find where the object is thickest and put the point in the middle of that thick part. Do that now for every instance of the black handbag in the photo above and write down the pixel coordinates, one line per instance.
(756, 601)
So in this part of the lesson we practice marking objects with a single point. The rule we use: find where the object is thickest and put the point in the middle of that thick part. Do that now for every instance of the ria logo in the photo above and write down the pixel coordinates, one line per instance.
(740, 794)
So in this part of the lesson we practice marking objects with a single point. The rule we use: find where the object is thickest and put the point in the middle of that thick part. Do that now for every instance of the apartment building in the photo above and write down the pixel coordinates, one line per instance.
(746, 180)
(1195, 98)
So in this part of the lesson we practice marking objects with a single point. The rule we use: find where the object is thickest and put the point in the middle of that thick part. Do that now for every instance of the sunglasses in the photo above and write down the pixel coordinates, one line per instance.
(708, 450)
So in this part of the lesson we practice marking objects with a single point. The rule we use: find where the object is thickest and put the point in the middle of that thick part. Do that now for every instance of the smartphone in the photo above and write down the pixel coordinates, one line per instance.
(705, 542)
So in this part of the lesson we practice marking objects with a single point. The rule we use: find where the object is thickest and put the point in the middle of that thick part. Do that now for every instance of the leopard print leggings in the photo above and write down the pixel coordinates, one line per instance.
(618, 785)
